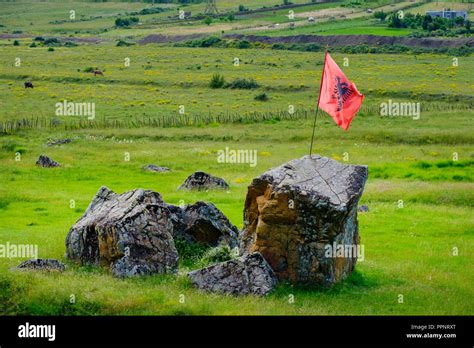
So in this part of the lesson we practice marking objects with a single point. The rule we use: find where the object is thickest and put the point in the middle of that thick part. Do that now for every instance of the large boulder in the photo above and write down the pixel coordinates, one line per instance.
(46, 162)
(204, 223)
(297, 213)
(130, 232)
(203, 181)
(249, 274)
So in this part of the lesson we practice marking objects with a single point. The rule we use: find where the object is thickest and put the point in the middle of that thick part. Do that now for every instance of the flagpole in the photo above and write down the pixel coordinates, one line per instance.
(317, 105)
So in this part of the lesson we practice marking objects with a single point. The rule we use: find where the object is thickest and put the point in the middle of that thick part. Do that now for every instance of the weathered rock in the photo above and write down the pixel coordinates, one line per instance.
(250, 274)
(363, 208)
(204, 223)
(203, 181)
(42, 265)
(59, 142)
(294, 214)
(156, 169)
(46, 162)
(131, 232)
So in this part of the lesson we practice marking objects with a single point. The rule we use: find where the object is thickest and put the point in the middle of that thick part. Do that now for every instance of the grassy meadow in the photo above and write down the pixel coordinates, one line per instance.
(418, 234)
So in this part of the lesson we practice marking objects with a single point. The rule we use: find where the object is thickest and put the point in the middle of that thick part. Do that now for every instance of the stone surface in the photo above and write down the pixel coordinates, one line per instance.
(46, 162)
(203, 181)
(250, 274)
(204, 223)
(59, 142)
(294, 212)
(363, 208)
(42, 265)
(130, 232)
(156, 169)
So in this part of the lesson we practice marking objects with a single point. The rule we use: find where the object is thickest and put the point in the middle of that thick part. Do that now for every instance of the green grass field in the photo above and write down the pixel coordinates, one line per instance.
(418, 234)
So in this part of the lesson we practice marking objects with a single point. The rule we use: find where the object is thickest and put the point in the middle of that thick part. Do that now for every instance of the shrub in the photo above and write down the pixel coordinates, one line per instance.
(126, 22)
(207, 21)
(243, 44)
(242, 8)
(261, 97)
(147, 11)
(122, 43)
(16, 43)
(242, 83)
(52, 41)
(89, 69)
(189, 252)
(380, 15)
(50, 49)
(33, 45)
(217, 81)
(220, 253)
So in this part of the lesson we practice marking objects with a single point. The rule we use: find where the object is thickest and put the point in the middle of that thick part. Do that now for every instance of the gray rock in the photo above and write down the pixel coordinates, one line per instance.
(132, 233)
(204, 223)
(250, 274)
(296, 213)
(42, 265)
(363, 208)
(46, 162)
(203, 181)
(156, 169)
(59, 142)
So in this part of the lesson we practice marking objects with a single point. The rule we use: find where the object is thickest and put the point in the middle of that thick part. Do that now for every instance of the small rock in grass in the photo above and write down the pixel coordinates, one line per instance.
(42, 265)
(46, 162)
(58, 142)
(203, 181)
(156, 169)
(363, 208)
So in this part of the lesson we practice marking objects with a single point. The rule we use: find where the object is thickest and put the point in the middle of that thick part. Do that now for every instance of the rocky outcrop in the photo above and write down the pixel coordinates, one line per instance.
(42, 265)
(132, 233)
(295, 214)
(203, 181)
(46, 162)
(250, 274)
(204, 223)
(155, 168)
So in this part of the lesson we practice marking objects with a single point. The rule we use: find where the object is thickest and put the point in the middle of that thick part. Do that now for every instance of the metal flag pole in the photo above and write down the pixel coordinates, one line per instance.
(317, 105)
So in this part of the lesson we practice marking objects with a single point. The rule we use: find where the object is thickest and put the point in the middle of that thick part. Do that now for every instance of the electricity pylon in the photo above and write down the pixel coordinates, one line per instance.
(211, 7)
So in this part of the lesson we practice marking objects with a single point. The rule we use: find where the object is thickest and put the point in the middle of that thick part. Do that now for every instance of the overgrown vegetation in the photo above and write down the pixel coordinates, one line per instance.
(217, 81)
(432, 26)
(126, 22)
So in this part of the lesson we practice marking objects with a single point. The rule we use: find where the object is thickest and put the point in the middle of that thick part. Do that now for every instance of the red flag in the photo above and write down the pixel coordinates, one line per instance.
(338, 96)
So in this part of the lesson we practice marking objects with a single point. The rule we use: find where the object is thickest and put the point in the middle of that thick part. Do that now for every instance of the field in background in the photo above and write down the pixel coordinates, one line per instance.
(418, 234)
(161, 79)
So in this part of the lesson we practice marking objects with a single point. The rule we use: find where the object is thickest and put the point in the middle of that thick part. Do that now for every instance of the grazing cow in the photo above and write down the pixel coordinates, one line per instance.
(28, 84)
(98, 72)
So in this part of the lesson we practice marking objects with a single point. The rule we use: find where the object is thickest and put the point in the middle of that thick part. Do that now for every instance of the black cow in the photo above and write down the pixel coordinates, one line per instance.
(28, 84)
